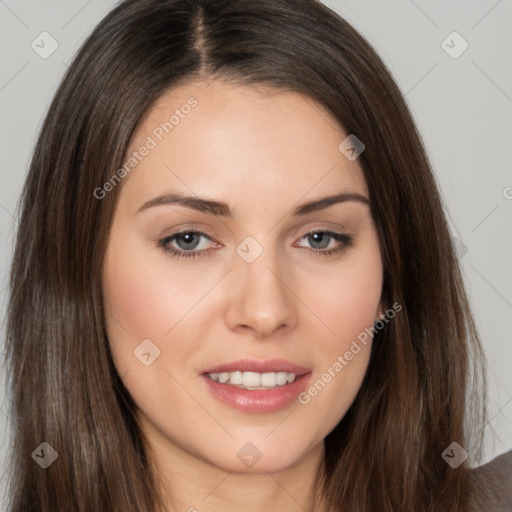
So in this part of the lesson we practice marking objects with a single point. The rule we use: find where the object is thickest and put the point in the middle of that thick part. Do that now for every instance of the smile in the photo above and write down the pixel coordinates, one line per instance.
(253, 380)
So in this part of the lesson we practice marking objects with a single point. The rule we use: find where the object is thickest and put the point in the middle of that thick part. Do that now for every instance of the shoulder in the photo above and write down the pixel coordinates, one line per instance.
(491, 485)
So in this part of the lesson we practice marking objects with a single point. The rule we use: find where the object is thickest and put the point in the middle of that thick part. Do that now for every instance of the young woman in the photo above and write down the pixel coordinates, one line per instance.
(234, 287)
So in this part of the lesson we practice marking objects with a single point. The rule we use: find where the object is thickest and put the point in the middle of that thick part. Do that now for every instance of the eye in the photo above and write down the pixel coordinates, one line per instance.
(187, 242)
(320, 242)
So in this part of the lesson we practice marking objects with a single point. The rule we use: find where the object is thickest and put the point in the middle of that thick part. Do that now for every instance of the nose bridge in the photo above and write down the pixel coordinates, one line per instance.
(263, 301)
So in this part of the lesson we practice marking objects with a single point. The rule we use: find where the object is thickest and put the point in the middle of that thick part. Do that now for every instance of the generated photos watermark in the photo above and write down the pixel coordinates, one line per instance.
(157, 135)
(343, 360)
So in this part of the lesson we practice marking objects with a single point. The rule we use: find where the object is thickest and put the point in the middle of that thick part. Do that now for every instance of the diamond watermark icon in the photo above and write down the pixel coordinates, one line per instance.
(45, 455)
(454, 45)
(461, 248)
(249, 249)
(44, 45)
(351, 147)
(455, 455)
(146, 352)
(249, 454)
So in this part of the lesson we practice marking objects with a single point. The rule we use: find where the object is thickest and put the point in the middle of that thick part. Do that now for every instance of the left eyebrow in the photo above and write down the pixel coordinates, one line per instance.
(222, 209)
(320, 204)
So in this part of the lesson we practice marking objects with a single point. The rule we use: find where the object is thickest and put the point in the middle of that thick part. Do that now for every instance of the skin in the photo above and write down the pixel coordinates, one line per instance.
(262, 152)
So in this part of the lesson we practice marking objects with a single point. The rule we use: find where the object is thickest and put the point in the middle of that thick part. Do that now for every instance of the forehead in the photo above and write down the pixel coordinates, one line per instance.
(242, 142)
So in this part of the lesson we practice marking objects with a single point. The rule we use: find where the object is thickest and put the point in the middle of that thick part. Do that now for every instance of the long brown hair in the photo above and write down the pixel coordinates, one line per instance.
(424, 387)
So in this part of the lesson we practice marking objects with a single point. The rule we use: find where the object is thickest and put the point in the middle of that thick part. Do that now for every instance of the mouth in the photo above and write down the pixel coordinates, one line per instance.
(254, 380)
(255, 374)
(257, 386)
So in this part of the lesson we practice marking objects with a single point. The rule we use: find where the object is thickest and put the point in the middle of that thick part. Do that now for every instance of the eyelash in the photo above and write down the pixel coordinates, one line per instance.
(346, 242)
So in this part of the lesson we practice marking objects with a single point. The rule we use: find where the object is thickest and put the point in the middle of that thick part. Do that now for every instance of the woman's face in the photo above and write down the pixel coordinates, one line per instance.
(252, 297)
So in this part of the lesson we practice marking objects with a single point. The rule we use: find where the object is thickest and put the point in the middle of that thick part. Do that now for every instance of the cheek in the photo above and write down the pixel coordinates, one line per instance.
(135, 299)
(349, 298)
(138, 307)
(149, 296)
(137, 293)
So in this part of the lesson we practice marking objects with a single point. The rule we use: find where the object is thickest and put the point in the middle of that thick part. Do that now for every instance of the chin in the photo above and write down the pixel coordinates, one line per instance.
(270, 463)
(260, 457)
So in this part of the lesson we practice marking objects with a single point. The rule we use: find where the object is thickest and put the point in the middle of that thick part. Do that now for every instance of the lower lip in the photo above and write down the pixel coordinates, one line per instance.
(260, 401)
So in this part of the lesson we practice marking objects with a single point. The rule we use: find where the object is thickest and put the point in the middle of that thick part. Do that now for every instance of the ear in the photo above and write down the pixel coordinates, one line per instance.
(381, 311)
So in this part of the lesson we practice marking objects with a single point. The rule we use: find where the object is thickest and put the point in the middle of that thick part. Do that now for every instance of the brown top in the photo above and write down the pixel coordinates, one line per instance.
(492, 484)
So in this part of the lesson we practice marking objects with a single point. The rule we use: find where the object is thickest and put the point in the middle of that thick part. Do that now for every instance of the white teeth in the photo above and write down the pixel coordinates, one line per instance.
(249, 380)
(282, 378)
(253, 380)
(223, 377)
(236, 378)
(270, 379)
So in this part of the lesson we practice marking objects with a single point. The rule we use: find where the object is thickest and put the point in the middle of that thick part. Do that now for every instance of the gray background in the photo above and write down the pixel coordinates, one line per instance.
(463, 107)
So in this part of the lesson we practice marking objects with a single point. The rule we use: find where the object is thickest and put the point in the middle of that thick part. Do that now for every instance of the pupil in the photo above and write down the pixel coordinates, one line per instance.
(319, 238)
(188, 238)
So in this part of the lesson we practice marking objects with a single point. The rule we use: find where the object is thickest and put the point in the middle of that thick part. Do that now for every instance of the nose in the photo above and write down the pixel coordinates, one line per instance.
(262, 301)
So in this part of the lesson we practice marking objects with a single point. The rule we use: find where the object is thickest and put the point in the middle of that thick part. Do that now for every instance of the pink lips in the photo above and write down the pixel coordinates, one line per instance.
(252, 365)
(258, 401)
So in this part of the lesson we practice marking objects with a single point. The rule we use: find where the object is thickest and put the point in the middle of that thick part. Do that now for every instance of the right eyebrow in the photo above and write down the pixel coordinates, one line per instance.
(203, 205)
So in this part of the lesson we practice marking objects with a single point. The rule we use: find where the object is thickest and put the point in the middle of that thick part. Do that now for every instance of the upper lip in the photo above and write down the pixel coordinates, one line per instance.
(258, 366)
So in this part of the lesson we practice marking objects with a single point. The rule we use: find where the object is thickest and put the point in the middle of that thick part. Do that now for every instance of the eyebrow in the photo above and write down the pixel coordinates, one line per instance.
(221, 209)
